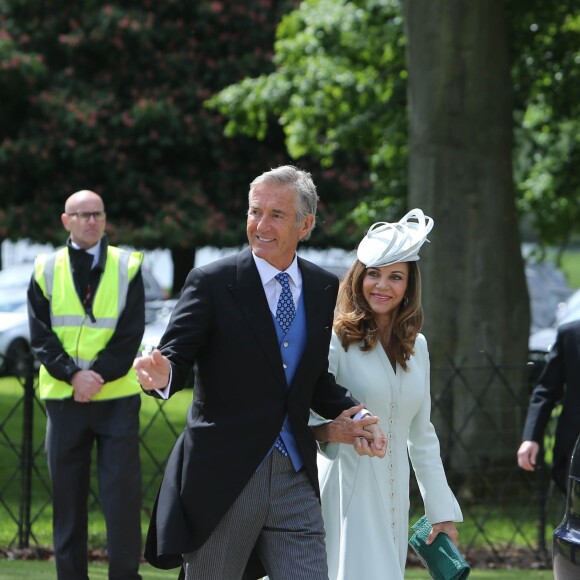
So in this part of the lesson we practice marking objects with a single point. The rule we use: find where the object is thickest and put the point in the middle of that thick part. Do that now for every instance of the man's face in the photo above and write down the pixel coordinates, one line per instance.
(85, 220)
(271, 225)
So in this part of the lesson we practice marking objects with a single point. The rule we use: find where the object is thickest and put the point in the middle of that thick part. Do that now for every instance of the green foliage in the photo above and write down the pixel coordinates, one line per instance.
(550, 191)
(570, 264)
(46, 570)
(339, 86)
(338, 89)
(108, 96)
(26, 569)
(111, 97)
(157, 441)
(546, 72)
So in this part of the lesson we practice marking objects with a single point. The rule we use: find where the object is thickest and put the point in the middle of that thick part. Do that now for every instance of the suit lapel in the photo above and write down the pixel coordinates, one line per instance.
(249, 295)
(316, 300)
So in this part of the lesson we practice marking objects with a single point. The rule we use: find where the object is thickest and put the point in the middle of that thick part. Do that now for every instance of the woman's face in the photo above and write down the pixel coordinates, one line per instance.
(384, 289)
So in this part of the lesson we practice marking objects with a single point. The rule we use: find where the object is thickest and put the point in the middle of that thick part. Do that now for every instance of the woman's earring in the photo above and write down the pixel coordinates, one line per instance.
(405, 301)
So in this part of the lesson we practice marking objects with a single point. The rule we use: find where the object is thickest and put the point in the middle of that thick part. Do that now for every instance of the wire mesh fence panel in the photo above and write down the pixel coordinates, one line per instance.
(25, 489)
(478, 409)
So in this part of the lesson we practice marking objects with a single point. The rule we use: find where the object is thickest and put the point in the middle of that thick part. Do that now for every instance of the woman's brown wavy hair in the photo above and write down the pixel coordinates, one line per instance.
(354, 321)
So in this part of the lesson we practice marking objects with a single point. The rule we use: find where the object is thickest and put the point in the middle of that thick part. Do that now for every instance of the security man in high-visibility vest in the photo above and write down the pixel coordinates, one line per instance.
(86, 305)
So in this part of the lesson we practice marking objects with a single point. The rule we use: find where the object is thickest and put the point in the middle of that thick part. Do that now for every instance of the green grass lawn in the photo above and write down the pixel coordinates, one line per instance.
(571, 267)
(28, 570)
(22, 569)
(160, 424)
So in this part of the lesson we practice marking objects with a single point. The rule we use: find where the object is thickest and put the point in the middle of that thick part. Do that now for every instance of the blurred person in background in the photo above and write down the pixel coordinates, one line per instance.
(86, 310)
(559, 382)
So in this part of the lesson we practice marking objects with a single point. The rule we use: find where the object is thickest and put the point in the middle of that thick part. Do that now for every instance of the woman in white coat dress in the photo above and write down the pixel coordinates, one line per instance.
(378, 354)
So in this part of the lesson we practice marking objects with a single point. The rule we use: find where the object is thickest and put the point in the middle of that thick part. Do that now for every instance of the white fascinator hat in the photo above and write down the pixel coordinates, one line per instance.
(389, 243)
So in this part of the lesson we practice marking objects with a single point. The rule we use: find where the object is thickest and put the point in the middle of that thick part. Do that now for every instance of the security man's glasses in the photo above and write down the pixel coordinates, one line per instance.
(85, 216)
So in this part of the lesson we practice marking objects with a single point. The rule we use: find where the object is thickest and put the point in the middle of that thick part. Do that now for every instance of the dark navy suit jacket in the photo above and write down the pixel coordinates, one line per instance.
(559, 382)
(222, 323)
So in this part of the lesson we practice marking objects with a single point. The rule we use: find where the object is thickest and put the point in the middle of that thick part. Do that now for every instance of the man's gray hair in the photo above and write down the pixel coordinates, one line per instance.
(298, 180)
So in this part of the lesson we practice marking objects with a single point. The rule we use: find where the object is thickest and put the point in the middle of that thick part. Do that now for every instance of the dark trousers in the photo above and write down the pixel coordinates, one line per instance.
(72, 428)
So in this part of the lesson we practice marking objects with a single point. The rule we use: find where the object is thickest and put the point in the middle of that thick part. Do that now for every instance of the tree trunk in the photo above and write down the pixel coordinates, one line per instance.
(183, 262)
(460, 173)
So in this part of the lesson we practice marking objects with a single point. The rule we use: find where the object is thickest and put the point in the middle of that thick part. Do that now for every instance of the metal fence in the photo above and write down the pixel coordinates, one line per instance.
(509, 515)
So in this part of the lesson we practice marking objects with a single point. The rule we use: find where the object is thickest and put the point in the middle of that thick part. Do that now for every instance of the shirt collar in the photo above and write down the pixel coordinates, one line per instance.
(95, 251)
(268, 272)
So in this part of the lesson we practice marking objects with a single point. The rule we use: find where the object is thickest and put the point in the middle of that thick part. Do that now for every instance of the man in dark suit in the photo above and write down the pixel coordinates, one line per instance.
(240, 490)
(559, 382)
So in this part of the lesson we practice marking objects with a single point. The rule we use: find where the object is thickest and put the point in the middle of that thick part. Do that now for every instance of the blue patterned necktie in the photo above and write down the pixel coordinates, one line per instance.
(285, 310)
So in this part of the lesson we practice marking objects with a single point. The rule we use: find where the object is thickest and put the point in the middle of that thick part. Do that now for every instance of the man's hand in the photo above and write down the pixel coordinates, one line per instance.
(343, 429)
(528, 455)
(365, 434)
(445, 527)
(376, 445)
(86, 384)
(152, 370)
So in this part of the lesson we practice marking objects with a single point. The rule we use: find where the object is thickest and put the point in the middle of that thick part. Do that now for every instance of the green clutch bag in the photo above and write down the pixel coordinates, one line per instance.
(441, 558)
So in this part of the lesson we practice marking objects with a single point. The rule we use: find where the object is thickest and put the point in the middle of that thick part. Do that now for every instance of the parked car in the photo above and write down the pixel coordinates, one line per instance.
(566, 537)
(15, 356)
(542, 340)
(13, 284)
(153, 290)
(548, 289)
(569, 310)
(156, 327)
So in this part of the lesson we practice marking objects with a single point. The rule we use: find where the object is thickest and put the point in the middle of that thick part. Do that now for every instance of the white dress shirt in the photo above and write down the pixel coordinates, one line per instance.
(272, 287)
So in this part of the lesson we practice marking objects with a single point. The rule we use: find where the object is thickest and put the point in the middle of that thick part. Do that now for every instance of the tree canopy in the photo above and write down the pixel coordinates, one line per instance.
(340, 85)
(430, 100)
(109, 97)
(546, 71)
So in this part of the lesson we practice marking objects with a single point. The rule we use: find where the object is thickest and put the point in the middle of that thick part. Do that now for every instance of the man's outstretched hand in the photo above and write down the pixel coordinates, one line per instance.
(152, 370)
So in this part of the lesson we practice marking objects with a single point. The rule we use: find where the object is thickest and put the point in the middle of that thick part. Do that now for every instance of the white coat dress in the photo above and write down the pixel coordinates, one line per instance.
(365, 501)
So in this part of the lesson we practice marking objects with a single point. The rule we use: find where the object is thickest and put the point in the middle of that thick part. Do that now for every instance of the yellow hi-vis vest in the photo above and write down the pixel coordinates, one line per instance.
(81, 338)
